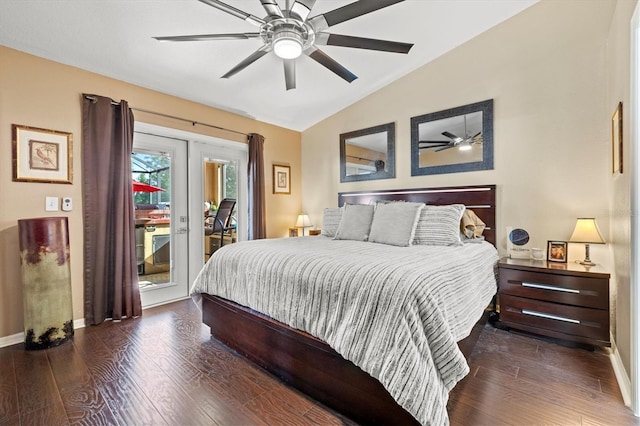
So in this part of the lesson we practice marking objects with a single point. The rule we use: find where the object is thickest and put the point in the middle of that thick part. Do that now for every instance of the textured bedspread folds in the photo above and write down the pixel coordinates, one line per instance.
(395, 312)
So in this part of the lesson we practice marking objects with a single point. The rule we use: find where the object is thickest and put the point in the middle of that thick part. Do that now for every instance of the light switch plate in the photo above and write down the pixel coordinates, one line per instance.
(51, 204)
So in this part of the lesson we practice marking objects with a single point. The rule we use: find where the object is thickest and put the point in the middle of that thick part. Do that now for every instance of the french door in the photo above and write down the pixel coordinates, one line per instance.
(231, 159)
(169, 169)
(159, 171)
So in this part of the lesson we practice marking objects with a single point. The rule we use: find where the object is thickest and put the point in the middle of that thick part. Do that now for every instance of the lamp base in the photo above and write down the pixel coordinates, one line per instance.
(587, 259)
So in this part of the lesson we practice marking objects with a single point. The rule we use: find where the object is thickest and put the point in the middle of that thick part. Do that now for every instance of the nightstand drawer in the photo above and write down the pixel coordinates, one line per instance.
(571, 290)
(570, 320)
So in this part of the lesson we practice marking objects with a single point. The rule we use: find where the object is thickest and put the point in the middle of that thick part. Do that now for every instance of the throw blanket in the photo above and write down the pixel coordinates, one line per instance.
(395, 312)
(471, 225)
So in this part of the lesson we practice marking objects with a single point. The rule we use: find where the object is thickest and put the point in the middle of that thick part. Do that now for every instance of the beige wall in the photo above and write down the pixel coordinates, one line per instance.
(546, 70)
(618, 90)
(40, 93)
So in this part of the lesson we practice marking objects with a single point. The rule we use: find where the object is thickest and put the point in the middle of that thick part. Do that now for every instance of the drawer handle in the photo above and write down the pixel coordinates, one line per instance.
(549, 316)
(549, 287)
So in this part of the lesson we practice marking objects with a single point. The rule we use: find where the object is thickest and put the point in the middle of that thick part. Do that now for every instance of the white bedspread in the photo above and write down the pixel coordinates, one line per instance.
(396, 312)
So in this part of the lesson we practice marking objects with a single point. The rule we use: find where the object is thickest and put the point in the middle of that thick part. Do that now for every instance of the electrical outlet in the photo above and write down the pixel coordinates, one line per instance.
(67, 204)
(51, 204)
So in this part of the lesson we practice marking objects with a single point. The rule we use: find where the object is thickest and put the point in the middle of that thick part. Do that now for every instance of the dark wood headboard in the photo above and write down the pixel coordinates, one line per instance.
(481, 199)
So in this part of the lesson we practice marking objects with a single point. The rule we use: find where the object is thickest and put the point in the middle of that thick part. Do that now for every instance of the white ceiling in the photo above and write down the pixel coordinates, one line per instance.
(114, 38)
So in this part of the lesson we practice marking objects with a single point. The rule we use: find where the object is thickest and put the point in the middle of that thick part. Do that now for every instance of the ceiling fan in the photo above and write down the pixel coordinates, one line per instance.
(463, 143)
(289, 33)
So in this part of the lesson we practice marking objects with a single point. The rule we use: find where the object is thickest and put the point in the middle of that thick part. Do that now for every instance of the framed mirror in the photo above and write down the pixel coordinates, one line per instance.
(368, 154)
(454, 140)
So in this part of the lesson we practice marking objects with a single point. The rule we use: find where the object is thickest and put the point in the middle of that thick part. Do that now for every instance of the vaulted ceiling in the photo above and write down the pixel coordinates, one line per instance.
(115, 38)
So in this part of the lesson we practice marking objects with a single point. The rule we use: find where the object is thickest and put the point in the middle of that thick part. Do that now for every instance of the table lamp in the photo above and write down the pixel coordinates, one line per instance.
(303, 222)
(587, 232)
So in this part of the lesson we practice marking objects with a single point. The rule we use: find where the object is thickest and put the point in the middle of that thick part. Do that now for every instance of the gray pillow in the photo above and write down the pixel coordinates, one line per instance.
(395, 223)
(355, 223)
(330, 221)
(439, 226)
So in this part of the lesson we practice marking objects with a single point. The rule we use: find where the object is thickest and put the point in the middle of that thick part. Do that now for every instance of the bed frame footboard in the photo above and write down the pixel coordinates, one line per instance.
(307, 363)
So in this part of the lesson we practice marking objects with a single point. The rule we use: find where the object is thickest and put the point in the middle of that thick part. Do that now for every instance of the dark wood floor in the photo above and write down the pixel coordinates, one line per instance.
(164, 368)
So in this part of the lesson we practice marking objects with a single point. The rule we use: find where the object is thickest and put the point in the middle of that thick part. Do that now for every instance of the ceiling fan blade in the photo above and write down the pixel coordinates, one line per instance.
(350, 11)
(207, 37)
(235, 12)
(432, 147)
(302, 8)
(442, 149)
(290, 73)
(272, 8)
(435, 142)
(248, 61)
(327, 39)
(324, 59)
(452, 136)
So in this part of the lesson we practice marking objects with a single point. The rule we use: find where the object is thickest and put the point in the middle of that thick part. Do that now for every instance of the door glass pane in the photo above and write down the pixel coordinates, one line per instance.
(220, 182)
(151, 173)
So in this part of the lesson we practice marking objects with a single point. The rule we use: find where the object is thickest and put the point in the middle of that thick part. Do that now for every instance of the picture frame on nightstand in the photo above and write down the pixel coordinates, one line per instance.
(293, 232)
(557, 251)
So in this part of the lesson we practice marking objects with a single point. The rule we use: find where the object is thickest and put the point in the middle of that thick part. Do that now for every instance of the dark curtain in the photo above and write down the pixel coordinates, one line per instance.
(257, 220)
(110, 270)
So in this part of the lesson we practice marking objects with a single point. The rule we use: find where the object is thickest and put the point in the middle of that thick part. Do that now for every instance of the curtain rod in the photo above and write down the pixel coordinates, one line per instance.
(193, 122)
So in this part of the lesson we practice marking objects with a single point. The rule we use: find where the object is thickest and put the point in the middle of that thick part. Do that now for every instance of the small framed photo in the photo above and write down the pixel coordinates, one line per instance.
(281, 179)
(616, 139)
(293, 232)
(557, 251)
(41, 155)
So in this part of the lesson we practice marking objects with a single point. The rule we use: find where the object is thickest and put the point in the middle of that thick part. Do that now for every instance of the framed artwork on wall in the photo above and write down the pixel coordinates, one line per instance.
(41, 155)
(281, 179)
(616, 139)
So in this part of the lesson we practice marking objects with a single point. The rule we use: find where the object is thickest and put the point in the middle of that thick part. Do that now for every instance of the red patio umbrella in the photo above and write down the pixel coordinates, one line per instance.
(145, 187)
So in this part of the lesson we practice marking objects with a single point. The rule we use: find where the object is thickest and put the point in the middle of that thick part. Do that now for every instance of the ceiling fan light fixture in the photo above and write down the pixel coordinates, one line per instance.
(465, 147)
(287, 44)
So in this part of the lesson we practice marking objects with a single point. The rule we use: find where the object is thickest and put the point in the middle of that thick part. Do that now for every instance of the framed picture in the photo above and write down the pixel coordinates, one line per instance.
(518, 243)
(41, 155)
(281, 179)
(557, 251)
(293, 232)
(616, 139)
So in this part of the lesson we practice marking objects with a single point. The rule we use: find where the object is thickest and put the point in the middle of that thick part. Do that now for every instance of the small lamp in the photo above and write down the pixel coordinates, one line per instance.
(587, 232)
(303, 222)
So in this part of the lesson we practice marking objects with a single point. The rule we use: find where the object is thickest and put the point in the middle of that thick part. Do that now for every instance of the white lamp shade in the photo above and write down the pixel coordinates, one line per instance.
(586, 231)
(303, 221)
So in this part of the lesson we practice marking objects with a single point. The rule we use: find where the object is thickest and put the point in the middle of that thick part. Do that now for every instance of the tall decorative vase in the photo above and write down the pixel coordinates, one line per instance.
(46, 281)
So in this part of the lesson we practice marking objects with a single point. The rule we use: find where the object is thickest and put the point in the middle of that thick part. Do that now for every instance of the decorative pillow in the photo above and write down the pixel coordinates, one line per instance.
(355, 223)
(439, 225)
(330, 221)
(395, 223)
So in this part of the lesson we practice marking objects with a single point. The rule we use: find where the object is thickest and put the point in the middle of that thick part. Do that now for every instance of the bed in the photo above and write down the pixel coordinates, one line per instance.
(309, 289)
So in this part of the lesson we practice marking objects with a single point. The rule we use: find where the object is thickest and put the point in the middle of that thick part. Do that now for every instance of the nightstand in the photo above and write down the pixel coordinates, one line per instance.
(561, 300)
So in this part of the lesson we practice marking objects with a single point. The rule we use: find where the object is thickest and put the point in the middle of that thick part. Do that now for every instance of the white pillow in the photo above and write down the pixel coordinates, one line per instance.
(330, 221)
(394, 223)
(439, 226)
(355, 223)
